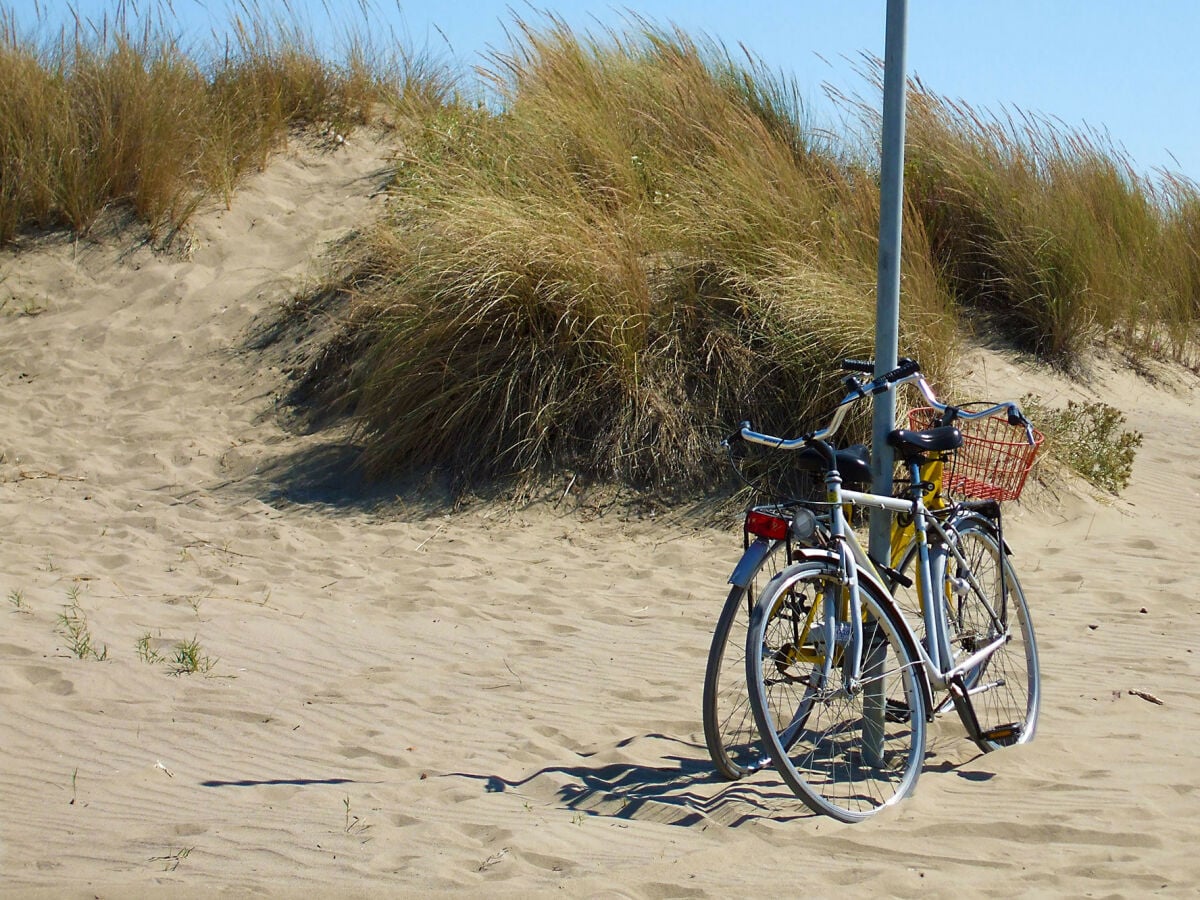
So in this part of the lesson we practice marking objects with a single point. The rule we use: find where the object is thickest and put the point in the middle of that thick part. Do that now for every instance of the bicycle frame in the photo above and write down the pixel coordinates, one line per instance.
(935, 653)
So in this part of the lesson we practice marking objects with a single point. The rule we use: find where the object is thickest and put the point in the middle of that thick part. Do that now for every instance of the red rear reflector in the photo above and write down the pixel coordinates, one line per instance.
(766, 525)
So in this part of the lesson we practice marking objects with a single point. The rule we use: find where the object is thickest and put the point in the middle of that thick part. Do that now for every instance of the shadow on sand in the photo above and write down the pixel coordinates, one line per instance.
(684, 791)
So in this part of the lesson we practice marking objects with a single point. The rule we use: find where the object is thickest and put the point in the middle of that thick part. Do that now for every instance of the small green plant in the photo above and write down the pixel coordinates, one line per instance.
(1089, 439)
(17, 599)
(189, 659)
(73, 625)
(145, 650)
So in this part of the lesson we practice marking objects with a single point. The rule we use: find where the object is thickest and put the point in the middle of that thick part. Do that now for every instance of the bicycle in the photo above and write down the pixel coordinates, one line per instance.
(840, 683)
(730, 733)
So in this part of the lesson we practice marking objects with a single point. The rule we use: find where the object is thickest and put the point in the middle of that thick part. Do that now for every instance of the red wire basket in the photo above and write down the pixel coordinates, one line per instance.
(993, 461)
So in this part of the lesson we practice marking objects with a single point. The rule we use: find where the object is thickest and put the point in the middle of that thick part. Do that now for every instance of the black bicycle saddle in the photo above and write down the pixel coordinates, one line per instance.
(853, 462)
(913, 444)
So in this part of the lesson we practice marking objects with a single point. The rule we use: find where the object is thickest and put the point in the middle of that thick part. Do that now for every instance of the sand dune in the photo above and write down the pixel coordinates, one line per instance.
(502, 703)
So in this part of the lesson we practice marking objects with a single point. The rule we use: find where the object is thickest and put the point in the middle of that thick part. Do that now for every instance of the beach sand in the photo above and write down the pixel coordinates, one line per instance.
(491, 701)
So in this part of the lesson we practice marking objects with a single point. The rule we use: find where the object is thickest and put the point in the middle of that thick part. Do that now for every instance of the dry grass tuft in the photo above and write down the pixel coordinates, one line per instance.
(115, 112)
(1051, 232)
(633, 242)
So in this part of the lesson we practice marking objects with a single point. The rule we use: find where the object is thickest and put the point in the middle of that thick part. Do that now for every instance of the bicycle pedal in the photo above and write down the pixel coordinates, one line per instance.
(897, 711)
(1004, 735)
(896, 577)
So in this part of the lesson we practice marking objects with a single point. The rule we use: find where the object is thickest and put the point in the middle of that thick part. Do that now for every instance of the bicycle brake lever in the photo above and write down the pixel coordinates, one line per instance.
(728, 441)
(854, 386)
(1016, 417)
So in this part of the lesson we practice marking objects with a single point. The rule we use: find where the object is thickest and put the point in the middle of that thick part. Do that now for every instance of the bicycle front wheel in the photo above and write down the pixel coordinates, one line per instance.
(847, 752)
(729, 730)
(1004, 690)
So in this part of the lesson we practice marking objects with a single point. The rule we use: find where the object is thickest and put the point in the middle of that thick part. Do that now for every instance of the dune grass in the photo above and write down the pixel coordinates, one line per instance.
(640, 247)
(1051, 233)
(115, 113)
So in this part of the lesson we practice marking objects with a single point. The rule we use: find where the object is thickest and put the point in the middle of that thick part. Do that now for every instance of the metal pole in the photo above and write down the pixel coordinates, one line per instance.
(887, 330)
(887, 300)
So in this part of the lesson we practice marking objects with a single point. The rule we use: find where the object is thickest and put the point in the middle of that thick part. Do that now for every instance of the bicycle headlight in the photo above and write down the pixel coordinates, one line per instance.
(804, 525)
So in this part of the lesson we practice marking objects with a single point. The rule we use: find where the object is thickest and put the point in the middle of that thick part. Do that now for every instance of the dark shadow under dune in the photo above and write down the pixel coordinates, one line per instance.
(327, 475)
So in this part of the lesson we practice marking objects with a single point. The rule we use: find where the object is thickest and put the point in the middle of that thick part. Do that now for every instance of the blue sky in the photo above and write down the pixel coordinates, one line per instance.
(1130, 69)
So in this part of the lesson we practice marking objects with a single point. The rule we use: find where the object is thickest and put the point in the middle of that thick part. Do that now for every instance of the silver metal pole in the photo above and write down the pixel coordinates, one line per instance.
(887, 300)
(887, 330)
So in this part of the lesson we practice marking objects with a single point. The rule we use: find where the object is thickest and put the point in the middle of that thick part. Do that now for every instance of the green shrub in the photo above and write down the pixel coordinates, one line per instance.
(1088, 439)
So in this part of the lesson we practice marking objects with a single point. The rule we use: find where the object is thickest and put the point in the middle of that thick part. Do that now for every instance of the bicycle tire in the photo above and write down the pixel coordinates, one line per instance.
(729, 730)
(1005, 689)
(813, 731)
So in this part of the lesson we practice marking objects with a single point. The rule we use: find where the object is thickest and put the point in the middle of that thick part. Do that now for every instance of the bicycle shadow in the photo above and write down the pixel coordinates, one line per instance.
(685, 790)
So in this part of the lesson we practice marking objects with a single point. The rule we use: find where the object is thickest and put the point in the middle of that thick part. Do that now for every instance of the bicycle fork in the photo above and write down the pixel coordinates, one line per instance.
(852, 659)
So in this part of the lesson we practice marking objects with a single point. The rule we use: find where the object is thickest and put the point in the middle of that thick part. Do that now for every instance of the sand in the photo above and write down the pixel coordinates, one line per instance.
(489, 701)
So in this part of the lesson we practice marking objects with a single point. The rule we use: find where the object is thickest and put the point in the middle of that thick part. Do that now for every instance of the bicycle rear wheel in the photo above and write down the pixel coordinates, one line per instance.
(1005, 690)
(729, 730)
(846, 755)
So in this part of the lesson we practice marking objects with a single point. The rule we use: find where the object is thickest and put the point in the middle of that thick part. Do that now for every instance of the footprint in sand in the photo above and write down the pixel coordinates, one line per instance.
(50, 679)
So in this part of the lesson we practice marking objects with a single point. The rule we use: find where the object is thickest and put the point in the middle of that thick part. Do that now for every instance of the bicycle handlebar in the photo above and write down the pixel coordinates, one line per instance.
(908, 371)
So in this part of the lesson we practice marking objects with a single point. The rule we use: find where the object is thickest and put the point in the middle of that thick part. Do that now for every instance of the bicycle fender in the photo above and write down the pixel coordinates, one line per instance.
(988, 523)
(811, 554)
(818, 554)
(750, 561)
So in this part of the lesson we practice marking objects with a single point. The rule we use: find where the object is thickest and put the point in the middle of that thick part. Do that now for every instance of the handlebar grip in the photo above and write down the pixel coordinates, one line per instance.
(865, 366)
(907, 367)
(903, 370)
(1017, 419)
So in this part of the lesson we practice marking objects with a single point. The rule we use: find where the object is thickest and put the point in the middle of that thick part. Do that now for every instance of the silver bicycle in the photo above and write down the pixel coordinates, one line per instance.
(840, 682)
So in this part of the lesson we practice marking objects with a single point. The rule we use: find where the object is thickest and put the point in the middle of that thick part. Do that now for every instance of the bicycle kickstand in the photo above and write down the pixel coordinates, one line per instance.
(1004, 735)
